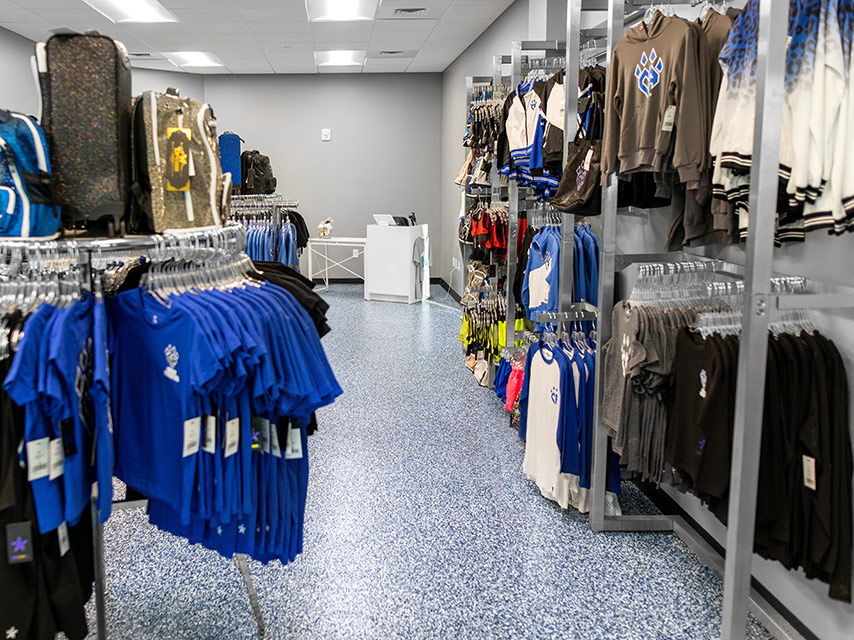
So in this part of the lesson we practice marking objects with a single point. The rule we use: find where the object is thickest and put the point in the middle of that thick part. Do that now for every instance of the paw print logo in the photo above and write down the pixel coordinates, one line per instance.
(701, 445)
(648, 72)
(624, 353)
(580, 176)
(555, 395)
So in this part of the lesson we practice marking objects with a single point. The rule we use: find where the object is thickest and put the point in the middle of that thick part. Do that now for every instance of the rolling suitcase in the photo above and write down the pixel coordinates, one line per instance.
(178, 180)
(85, 82)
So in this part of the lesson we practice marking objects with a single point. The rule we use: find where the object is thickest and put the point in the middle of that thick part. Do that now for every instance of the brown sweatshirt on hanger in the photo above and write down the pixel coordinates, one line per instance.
(654, 68)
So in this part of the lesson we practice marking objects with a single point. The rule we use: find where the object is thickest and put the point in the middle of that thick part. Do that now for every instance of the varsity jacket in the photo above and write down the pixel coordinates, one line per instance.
(654, 71)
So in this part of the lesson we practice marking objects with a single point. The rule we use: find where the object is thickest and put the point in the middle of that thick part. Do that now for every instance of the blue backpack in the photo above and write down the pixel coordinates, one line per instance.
(27, 187)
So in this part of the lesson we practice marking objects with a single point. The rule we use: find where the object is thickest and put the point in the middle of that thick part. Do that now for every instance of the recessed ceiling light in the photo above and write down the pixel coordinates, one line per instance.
(341, 10)
(132, 10)
(340, 58)
(193, 59)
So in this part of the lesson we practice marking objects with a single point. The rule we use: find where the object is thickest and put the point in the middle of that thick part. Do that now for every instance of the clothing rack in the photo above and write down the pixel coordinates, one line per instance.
(761, 294)
(227, 240)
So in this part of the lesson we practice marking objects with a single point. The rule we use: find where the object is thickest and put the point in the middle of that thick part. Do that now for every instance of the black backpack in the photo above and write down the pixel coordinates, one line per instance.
(257, 173)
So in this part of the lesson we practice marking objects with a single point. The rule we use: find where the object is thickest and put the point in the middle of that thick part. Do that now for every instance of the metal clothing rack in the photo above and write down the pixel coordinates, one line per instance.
(759, 299)
(230, 238)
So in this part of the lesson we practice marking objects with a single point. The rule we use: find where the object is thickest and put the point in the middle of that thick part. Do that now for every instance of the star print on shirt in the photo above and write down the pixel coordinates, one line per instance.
(19, 545)
(219, 530)
(242, 528)
(11, 633)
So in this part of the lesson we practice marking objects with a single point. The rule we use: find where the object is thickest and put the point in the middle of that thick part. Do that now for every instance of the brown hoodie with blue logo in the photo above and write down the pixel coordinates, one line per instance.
(656, 99)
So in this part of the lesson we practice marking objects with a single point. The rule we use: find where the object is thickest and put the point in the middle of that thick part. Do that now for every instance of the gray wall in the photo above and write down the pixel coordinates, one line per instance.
(474, 61)
(383, 156)
(190, 85)
(19, 91)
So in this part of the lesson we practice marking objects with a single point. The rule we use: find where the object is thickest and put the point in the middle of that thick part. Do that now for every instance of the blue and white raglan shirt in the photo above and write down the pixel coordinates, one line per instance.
(541, 286)
(550, 422)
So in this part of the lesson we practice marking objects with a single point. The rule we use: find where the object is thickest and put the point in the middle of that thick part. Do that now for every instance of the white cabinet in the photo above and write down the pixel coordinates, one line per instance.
(391, 274)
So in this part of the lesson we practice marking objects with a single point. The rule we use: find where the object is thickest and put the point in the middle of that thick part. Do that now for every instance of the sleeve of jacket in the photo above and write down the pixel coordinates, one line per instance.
(613, 102)
(688, 155)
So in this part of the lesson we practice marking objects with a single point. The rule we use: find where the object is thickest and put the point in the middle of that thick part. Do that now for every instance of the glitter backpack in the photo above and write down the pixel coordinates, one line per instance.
(26, 184)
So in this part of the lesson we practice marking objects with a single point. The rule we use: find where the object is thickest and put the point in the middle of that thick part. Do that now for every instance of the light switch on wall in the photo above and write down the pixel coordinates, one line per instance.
(326, 135)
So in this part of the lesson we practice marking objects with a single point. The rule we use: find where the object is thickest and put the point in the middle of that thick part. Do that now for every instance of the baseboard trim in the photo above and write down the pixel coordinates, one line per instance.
(435, 280)
(669, 506)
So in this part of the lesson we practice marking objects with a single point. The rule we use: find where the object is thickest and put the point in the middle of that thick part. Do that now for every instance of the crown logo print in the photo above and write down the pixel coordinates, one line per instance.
(648, 72)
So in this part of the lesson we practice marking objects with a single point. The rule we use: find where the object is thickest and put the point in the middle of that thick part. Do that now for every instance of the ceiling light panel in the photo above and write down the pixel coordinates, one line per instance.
(340, 58)
(341, 10)
(198, 59)
(120, 11)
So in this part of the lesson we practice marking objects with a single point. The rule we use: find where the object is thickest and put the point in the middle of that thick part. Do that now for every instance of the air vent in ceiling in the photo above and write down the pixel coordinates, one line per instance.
(409, 12)
(388, 54)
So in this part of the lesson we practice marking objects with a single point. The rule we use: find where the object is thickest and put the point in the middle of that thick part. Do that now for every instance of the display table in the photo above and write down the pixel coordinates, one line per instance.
(314, 249)
(391, 274)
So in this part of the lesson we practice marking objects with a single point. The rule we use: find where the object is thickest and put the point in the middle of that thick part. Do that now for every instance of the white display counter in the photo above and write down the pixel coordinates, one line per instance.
(391, 274)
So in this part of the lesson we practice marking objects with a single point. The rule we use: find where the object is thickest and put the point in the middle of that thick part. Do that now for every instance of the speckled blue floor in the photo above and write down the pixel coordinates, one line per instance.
(420, 523)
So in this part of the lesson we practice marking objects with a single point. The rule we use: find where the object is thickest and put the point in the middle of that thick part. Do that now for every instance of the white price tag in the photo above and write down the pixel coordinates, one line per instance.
(274, 441)
(57, 458)
(809, 472)
(232, 436)
(209, 442)
(669, 118)
(587, 160)
(192, 436)
(293, 450)
(64, 542)
(38, 459)
(265, 435)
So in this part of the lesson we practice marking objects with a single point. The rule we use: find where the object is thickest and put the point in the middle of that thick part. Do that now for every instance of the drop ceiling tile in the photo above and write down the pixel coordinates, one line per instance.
(260, 4)
(325, 38)
(346, 69)
(44, 4)
(287, 47)
(248, 66)
(283, 38)
(61, 16)
(173, 43)
(376, 54)
(278, 27)
(235, 26)
(237, 51)
(144, 29)
(391, 65)
(398, 26)
(346, 29)
(159, 65)
(208, 71)
(36, 32)
(188, 16)
(275, 14)
(17, 14)
(212, 39)
(433, 11)
(294, 57)
(398, 40)
(293, 63)
(345, 45)
(202, 5)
